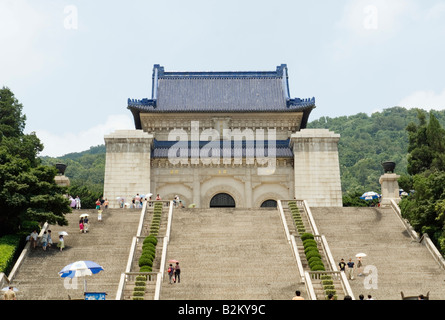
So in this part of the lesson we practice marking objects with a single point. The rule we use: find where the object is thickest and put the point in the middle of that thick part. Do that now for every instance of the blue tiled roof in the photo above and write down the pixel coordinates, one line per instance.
(282, 148)
(240, 91)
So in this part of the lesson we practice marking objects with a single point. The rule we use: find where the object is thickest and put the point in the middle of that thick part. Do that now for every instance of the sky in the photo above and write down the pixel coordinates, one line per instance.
(73, 64)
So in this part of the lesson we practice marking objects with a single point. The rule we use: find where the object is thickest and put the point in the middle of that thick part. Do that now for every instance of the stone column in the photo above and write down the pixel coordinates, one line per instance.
(390, 189)
(127, 165)
(316, 167)
(196, 188)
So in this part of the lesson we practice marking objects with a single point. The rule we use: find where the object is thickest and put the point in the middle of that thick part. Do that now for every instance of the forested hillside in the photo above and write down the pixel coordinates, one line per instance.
(367, 141)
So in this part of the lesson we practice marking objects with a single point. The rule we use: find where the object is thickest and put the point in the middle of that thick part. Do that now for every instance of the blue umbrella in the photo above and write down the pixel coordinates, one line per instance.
(371, 195)
(80, 268)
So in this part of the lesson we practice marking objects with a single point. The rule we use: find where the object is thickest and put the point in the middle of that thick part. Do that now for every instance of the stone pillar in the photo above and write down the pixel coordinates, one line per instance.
(316, 167)
(390, 189)
(127, 165)
(196, 188)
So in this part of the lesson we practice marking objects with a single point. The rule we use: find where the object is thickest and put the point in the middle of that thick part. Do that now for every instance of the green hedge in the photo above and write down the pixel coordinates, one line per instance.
(148, 252)
(8, 248)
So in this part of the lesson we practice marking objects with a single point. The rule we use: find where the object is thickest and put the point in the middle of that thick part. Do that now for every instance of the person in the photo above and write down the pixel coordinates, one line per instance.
(97, 204)
(137, 200)
(106, 203)
(61, 243)
(298, 296)
(176, 201)
(44, 240)
(347, 297)
(170, 272)
(50, 240)
(421, 297)
(85, 224)
(158, 197)
(359, 265)
(177, 272)
(78, 202)
(342, 264)
(10, 294)
(370, 297)
(81, 225)
(350, 270)
(99, 215)
(331, 296)
(361, 297)
(33, 238)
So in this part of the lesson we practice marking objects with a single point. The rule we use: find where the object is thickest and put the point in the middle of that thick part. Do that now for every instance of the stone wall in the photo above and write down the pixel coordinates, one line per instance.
(316, 167)
(127, 165)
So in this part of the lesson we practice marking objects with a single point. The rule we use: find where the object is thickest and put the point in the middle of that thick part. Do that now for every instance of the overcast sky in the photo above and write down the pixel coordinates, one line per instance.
(73, 64)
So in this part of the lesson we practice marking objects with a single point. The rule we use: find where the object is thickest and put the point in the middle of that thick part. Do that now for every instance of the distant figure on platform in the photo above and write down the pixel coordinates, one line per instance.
(78, 203)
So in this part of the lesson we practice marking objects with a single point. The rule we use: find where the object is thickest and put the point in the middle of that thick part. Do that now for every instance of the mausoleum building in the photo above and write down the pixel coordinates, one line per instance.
(223, 139)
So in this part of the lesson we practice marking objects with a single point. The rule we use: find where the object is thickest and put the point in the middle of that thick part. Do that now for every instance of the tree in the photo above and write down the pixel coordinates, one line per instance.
(28, 191)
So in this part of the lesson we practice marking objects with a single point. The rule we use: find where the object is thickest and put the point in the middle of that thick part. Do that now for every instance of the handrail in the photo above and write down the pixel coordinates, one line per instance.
(326, 250)
(283, 219)
(311, 218)
(24, 253)
(297, 257)
(344, 281)
(406, 224)
(424, 239)
(291, 241)
(160, 277)
(309, 286)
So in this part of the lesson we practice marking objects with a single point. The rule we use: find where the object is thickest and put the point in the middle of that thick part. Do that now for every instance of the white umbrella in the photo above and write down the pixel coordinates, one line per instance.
(7, 288)
(63, 233)
(361, 255)
(83, 215)
(80, 269)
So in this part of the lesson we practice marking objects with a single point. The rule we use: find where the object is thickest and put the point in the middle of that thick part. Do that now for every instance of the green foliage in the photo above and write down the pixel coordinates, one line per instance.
(8, 248)
(366, 142)
(27, 188)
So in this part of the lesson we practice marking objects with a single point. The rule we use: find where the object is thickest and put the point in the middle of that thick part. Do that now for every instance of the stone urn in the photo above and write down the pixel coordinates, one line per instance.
(389, 166)
(61, 167)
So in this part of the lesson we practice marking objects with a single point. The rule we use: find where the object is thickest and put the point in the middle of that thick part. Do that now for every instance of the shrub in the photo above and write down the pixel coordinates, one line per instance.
(145, 261)
(327, 282)
(311, 254)
(138, 288)
(141, 278)
(313, 259)
(318, 267)
(138, 294)
(309, 242)
(146, 269)
(151, 239)
(8, 247)
(306, 236)
(329, 287)
(140, 283)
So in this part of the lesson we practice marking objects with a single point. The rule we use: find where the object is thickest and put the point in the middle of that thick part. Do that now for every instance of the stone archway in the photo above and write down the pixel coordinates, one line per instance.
(222, 200)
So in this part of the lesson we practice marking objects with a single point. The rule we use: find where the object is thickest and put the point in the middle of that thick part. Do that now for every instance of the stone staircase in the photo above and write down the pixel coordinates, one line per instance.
(107, 243)
(317, 283)
(231, 254)
(401, 264)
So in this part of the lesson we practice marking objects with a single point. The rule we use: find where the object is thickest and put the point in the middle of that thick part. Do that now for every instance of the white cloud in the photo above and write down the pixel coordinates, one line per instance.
(424, 99)
(58, 145)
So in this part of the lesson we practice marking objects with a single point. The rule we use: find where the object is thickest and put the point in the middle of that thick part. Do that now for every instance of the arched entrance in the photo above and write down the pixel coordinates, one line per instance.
(222, 200)
(269, 204)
